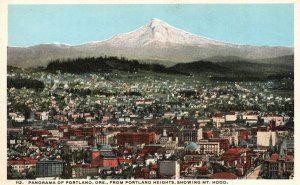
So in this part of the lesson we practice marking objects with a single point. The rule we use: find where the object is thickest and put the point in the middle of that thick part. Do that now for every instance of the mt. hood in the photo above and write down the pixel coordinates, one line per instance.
(155, 42)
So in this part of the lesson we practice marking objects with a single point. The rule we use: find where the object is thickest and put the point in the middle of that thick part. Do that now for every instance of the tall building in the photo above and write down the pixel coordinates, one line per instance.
(164, 138)
(263, 138)
(191, 135)
(169, 168)
(206, 147)
(50, 168)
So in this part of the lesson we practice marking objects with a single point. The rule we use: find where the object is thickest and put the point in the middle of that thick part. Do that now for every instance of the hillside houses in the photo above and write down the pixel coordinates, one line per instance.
(113, 126)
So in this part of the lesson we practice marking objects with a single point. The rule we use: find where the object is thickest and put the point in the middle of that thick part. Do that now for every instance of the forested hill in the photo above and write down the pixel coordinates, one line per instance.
(105, 65)
(240, 69)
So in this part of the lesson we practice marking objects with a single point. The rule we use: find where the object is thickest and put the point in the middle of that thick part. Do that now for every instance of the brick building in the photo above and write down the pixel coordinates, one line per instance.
(134, 137)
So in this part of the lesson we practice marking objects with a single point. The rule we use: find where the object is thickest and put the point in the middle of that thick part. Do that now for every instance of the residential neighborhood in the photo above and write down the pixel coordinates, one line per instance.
(145, 125)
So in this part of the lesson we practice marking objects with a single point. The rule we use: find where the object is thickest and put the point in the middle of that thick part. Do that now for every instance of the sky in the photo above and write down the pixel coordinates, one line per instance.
(253, 24)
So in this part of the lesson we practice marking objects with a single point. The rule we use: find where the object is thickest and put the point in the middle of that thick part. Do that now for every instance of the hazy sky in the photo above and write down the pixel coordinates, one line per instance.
(255, 24)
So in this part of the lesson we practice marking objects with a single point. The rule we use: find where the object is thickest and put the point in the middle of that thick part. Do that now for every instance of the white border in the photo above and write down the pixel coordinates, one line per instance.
(3, 72)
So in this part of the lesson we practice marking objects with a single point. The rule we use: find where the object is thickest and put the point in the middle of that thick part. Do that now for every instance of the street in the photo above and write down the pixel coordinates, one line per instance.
(254, 174)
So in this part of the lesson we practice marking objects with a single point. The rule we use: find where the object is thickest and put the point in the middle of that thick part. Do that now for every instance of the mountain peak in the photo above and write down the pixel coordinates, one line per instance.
(158, 33)
(158, 26)
(156, 21)
(155, 41)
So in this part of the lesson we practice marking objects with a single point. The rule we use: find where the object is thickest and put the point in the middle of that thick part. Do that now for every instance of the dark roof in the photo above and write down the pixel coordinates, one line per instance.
(49, 161)
(223, 175)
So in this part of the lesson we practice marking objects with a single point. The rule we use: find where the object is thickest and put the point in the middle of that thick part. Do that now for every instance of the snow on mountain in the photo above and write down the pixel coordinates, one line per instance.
(158, 32)
(156, 41)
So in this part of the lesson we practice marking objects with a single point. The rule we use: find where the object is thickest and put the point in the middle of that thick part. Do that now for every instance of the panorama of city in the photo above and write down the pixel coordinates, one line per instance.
(85, 112)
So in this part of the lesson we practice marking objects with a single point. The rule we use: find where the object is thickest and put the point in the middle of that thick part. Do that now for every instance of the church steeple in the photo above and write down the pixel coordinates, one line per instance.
(271, 142)
(271, 147)
(95, 155)
(267, 155)
(95, 147)
(283, 149)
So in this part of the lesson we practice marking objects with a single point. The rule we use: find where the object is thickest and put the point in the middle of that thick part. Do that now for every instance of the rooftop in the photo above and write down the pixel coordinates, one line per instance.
(223, 175)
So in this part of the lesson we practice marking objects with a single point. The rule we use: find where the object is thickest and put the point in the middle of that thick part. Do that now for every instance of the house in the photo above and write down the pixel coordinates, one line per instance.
(218, 119)
(20, 165)
(279, 120)
(231, 117)
(250, 117)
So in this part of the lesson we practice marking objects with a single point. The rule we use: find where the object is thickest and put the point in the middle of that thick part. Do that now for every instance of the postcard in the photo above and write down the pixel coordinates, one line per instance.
(149, 92)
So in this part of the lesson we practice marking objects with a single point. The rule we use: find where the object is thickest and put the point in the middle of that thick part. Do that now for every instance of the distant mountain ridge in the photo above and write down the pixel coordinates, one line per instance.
(157, 42)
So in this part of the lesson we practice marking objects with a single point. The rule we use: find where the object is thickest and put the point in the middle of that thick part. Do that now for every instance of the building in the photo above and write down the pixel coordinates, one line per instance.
(169, 168)
(243, 135)
(264, 137)
(232, 137)
(168, 141)
(206, 147)
(231, 117)
(169, 115)
(172, 145)
(107, 157)
(290, 147)
(50, 168)
(164, 138)
(279, 120)
(44, 116)
(278, 165)
(235, 157)
(224, 143)
(134, 137)
(192, 148)
(154, 148)
(108, 160)
(192, 135)
(73, 145)
(250, 117)
(105, 138)
(56, 133)
(83, 131)
(95, 156)
(20, 165)
(83, 170)
(223, 175)
(208, 134)
(218, 119)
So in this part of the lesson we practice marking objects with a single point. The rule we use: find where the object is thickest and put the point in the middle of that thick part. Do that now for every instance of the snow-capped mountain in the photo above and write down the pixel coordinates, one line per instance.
(158, 33)
(156, 41)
